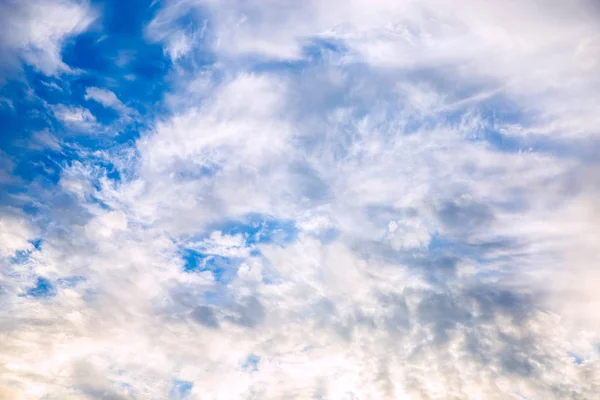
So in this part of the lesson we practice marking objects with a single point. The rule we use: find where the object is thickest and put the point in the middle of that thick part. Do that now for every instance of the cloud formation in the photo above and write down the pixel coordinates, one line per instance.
(36, 30)
(392, 200)
(107, 99)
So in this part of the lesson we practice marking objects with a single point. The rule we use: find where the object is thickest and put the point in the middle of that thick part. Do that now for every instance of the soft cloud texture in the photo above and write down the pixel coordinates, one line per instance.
(36, 30)
(382, 200)
(107, 99)
(75, 117)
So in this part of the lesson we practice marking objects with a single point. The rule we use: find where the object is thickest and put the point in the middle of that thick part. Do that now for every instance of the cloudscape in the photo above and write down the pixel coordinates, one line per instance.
(320, 199)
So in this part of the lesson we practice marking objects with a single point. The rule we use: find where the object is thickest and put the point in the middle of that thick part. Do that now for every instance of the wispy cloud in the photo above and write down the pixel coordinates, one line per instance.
(108, 99)
(36, 30)
(75, 117)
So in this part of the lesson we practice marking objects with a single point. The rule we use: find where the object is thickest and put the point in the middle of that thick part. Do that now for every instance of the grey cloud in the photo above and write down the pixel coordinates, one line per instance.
(492, 300)
(308, 184)
(249, 313)
(516, 363)
(465, 216)
(396, 314)
(442, 313)
(89, 380)
(205, 316)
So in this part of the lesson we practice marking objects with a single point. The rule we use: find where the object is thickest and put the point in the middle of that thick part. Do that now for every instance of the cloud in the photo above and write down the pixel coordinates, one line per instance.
(35, 31)
(179, 27)
(75, 117)
(108, 99)
(357, 201)
(502, 48)
(16, 235)
(44, 140)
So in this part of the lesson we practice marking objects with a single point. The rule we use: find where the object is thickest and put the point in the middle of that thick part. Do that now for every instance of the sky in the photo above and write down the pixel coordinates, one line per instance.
(272, 199)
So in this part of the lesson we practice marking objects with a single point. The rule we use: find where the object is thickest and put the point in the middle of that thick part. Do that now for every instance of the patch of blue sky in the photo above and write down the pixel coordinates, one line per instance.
(43, 288)
(201, 57)
(28, 180)
(22, 256)
(314, 52)
(440, 243)
(577, 360)
(500, 109)
(222, 268)
(503, 142)
(180, 390)
(320, 48)
(117, 49)
(139, 83)
(251, 363)
(112, 172)
(12, 195)
(575, 148)
(113, 54)
(70, 281)
(24, 113)
(105, 168)
(256, 229)
(43, 166)
(414, 124)
(498, 112)
(130, 67)
(99, 202)
(259, 229)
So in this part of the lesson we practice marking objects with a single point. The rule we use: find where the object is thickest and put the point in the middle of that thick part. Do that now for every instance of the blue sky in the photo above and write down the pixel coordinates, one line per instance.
(223, 199)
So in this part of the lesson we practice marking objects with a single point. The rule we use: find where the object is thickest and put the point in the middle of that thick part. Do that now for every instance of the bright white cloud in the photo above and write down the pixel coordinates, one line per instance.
(178, 40)
(36, 30)
(512, 47)
(107, 99)
(75, 117)
(15, 235)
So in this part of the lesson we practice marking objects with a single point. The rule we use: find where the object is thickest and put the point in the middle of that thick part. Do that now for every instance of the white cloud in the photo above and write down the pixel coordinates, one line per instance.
(107, 224)
(44, 139)
(15, 235)
(222, 245)
(356, 317)
(52, 85)
(432, 260)
(6, 103)
(75, 117)
(36, 30)
(178, 41)
(537, 55)
(107, 99)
